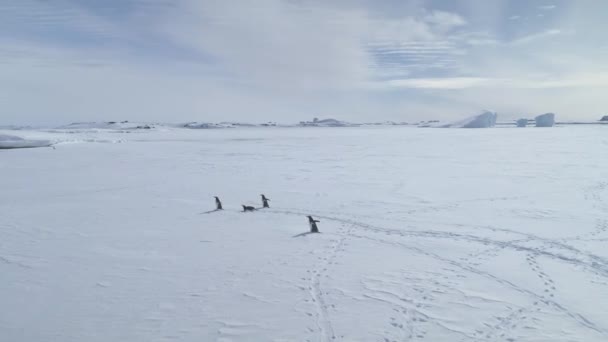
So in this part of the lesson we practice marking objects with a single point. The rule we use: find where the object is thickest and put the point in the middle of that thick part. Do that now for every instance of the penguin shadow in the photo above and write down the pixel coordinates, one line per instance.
(305, 233)
(210, 211)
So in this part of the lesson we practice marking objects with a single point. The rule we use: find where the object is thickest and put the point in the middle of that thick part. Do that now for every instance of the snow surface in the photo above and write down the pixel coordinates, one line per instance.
(427, 235)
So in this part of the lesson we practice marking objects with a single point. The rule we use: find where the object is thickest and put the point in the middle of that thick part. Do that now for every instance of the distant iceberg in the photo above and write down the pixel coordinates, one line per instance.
(483, 120)
(326, 123)
(11, 141)
(545, 120)
(206, 125)
(522, 122)
(604, 118)
(109, 125)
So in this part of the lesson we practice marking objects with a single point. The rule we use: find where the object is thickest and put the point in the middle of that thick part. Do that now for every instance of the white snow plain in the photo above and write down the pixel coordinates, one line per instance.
(427, 235)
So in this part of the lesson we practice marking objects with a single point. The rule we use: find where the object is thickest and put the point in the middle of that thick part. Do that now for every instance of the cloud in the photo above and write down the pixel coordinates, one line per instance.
(536, 36)
(547, 7)
(439, 83)
(273, 44)
(568, 81)
(290, 45)
(445, 21)
(414, 45)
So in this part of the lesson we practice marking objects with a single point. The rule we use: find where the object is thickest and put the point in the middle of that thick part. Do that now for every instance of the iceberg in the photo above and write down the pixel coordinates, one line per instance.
(483, 120)
(205, 125)
(545, 120)
(521, 122)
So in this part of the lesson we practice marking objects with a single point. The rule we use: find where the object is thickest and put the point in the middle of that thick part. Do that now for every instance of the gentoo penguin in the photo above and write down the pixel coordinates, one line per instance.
(265, 201)
(218, 203)
(313, 225)
(248, 208)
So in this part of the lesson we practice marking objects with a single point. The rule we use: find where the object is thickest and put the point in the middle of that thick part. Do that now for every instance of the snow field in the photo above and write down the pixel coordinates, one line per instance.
(436, 235)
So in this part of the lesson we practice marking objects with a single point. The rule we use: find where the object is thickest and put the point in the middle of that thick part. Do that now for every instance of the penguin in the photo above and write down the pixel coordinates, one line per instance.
(313, 224)
(265, 201)
(218, 203)
(248, 208)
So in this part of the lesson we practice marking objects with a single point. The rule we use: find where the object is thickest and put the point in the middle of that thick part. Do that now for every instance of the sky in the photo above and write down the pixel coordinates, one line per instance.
(286, 61)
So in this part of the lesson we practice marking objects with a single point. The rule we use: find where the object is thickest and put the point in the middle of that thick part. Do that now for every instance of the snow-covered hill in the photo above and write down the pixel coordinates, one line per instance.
(11, 141)
(108, 125)
(426, 235)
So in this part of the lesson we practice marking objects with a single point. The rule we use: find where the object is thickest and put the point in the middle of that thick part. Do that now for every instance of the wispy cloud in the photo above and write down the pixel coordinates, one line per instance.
(537, 36)
(547, 7)
(568, 81)
(439, 83)
(444, 21)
